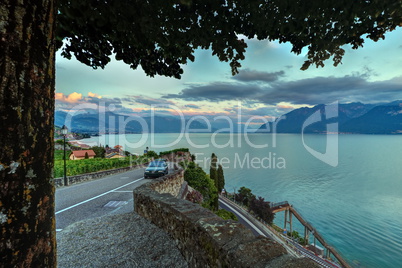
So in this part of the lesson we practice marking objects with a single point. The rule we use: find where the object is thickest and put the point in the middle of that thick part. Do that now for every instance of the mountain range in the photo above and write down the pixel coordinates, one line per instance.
(354, 117)
(359, 118)
(109, 122)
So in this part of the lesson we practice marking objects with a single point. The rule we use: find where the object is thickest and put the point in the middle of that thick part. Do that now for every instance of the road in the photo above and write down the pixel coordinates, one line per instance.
(256, 227)
(243, 219)
(106, 196)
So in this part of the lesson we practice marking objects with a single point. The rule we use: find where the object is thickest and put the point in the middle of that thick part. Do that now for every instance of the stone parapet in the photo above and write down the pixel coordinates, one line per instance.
(204, 239)
(169, 184)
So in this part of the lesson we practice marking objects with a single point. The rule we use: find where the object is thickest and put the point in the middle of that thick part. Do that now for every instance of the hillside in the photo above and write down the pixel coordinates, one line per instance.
(351, 118)
(116, 123)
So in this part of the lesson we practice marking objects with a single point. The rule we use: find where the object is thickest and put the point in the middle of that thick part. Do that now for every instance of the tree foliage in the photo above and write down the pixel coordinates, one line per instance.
(174, 151)
(262, 209)
(162, 35)
(99, 151)
(200, 181)
(213, 174)
(221, 178)
(244, 196)
(152, 154)
(257, 205)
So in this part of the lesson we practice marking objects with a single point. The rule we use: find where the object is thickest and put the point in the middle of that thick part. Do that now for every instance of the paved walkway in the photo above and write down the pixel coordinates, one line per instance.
(125, 240)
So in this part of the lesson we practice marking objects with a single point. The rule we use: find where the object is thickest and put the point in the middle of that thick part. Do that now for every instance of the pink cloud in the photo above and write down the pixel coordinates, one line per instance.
(71, 98)
(94, 95)
(284, 106)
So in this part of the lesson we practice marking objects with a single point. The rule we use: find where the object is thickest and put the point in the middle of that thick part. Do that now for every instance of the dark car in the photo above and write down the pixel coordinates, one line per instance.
(156, 168)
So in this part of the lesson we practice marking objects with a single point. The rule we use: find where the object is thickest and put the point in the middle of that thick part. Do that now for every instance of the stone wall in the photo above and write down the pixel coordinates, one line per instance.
(204, 239)
(169, 184)
(58, 182)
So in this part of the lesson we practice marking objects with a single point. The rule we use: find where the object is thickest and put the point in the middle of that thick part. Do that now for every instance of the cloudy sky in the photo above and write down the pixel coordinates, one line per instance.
(270, 82)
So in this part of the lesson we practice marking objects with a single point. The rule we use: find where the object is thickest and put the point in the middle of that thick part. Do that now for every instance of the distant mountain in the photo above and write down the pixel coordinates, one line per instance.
(116, 123)
(385, 119)
(352, 118)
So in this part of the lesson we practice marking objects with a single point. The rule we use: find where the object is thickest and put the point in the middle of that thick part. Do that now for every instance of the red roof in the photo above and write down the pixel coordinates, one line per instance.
(81, 153)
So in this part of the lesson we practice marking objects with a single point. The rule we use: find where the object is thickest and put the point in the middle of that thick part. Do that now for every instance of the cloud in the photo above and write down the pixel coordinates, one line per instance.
(217, 91)
(267, 111)
(309, 91)
(104, 101)
(71, 98)
(147, 100)
(329, 89)
(248, 75)
(76, 101)
(94, 95)
(192, 106)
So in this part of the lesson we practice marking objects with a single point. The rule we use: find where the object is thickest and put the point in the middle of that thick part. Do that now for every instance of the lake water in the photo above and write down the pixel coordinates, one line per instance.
(356, 203)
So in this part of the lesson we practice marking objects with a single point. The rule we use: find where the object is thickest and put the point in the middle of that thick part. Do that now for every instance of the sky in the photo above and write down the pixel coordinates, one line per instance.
(270, 83)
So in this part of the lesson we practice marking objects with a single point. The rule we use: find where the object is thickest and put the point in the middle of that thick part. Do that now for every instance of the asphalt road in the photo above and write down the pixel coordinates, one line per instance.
(243, 219)
(106, 196)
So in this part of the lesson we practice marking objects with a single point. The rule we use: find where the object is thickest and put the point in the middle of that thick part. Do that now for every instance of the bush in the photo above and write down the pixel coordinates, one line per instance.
(152, 154)
(174, 151)
(99, 151)
(244, 196)
(195, 197)
(200, 181)
(262, 209)
(226, 215)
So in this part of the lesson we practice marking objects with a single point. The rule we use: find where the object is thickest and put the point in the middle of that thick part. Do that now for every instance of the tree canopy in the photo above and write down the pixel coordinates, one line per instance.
(162, 35)
(159, 36)
(200, 181)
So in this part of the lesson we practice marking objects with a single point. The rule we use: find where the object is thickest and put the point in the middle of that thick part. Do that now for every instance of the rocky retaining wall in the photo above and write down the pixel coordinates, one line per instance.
(204, 239)
(58, 182)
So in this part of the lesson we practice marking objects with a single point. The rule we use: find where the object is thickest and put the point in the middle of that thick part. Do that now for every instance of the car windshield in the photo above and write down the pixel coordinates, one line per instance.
(156, 164)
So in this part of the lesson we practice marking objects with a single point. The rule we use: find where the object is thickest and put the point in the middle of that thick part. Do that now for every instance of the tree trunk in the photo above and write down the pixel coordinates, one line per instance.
(27, 68)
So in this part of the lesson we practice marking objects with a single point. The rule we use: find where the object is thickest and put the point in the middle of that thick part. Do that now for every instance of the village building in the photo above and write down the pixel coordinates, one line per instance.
(78, 155)
(116, 152)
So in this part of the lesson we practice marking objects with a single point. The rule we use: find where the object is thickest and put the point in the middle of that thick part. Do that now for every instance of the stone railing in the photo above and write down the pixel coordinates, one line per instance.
(204, 239)
(58, 182)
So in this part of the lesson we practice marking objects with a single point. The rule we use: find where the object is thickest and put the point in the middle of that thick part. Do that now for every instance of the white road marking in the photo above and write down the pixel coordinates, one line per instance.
(95, 197)
(59, 230)
(122, 191)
